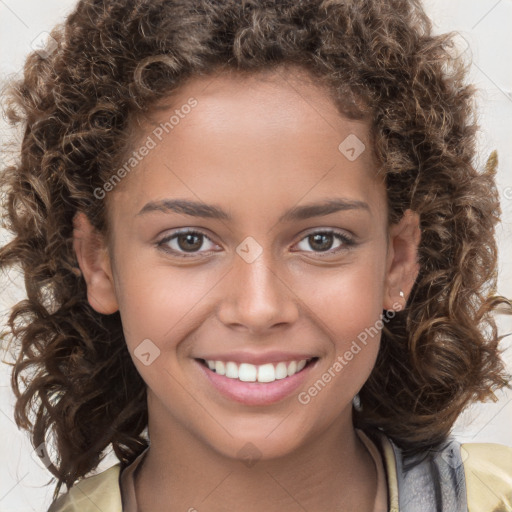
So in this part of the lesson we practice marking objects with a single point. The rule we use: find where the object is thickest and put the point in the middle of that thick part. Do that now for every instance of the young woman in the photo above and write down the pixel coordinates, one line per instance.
(260, 262)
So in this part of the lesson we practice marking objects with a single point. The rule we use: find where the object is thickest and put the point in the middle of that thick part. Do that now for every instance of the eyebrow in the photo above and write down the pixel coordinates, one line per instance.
(210, 211)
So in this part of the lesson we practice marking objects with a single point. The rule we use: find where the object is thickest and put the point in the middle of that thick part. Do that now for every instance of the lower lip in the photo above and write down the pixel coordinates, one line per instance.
(256, 393)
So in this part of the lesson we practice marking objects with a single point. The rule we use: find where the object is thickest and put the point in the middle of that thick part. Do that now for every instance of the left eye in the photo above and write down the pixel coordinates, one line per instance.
(321, 241)
(186, 241)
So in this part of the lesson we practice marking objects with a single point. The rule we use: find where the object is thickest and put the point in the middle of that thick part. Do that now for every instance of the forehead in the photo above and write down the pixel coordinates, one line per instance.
(249, 135)
(286, 92)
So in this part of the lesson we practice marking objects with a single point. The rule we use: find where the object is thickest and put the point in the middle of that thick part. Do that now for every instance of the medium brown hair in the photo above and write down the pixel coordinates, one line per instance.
(115, 61)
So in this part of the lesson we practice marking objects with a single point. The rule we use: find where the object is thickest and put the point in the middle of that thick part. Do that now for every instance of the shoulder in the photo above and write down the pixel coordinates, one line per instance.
(97, 492)
(467, 477)
(488, 471)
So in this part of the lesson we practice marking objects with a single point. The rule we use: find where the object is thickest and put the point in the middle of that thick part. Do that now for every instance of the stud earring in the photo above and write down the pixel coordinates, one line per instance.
(356, 402)
(402, 294)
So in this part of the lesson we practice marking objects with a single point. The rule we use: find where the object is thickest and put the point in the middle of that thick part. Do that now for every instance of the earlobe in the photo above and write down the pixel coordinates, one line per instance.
(402, 264)
(94, 262)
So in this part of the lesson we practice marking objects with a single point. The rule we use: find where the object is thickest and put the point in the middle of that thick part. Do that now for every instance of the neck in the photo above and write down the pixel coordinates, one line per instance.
(332, 470)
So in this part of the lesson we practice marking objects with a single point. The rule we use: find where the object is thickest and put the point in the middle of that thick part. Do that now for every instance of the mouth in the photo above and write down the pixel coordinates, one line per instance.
(263, 373)
(263, 385)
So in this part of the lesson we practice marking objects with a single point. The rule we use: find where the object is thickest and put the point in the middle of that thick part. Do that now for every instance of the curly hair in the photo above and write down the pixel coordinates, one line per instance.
(116, 59)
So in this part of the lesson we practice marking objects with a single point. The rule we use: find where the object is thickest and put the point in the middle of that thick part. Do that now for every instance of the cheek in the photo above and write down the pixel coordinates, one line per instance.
(347, 306)
(159, 302)
(345, 299)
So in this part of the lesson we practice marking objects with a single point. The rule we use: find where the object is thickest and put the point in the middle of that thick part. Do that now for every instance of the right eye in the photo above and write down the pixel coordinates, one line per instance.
(184, 241)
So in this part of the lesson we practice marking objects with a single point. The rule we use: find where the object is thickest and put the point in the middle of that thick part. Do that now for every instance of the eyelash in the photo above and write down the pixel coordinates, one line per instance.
(347, 241)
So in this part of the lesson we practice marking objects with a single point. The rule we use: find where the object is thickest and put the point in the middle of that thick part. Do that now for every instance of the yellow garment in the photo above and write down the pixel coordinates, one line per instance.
(488, 470)
(487, 467)
(94, 493)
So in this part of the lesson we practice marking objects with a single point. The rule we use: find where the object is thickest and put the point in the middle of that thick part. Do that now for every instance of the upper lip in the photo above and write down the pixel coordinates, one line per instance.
(257, 358)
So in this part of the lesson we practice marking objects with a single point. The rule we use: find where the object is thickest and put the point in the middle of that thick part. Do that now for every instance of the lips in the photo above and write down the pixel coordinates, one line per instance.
(255, 393)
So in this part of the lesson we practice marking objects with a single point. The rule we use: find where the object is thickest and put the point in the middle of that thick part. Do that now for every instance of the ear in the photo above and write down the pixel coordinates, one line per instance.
(94, 261)
(402, 267)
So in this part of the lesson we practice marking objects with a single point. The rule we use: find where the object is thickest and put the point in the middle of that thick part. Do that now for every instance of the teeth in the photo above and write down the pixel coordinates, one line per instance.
(219, 368)
(292, 368)
(266, 373)
(261, 373)
(247, 372)
(281, 371)
(301, 365)
(231, 370)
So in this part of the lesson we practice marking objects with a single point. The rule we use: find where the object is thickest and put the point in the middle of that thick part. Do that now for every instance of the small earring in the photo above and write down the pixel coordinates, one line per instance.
(402, 294)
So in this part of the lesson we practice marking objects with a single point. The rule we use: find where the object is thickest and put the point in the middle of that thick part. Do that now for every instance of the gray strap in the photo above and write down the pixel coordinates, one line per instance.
(432, 482)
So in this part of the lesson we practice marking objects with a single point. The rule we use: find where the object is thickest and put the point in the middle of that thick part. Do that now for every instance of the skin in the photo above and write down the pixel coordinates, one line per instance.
(257, 147)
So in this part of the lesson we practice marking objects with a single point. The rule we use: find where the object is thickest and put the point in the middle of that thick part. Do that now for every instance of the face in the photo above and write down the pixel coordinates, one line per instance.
(246, 234)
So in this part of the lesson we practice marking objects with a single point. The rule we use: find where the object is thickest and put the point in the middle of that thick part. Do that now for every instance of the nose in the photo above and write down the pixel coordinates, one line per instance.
(256, 298)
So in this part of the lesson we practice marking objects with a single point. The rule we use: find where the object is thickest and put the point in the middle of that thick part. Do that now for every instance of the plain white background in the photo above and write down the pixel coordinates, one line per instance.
(485, 31)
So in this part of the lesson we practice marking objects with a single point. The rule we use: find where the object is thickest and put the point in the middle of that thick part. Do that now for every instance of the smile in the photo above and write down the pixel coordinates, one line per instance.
(265, 384)
(247, 372)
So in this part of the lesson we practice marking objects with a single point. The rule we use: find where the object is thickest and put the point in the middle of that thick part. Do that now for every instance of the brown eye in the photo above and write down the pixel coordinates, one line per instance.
(182, 242)
(322, 242)
(189, 241)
